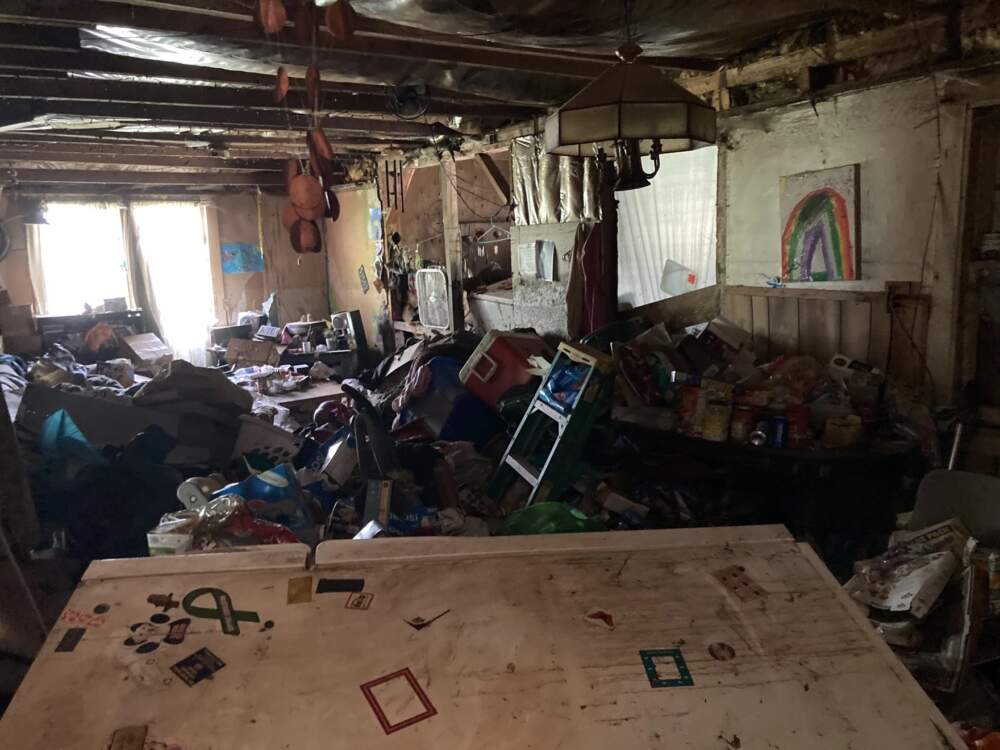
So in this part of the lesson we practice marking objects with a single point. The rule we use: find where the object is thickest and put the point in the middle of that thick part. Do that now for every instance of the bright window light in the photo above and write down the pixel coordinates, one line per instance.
(83, 257)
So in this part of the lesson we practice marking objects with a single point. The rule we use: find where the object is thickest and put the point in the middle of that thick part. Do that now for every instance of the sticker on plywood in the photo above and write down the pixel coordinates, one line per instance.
(819, 219)
(391, 698)
(665, 667)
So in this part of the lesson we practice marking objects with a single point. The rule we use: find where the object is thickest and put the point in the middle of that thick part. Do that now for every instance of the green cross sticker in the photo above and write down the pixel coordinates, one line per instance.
(229, 618)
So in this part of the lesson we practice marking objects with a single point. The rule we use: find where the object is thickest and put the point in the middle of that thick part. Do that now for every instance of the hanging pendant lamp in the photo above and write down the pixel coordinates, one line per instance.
(631, 110)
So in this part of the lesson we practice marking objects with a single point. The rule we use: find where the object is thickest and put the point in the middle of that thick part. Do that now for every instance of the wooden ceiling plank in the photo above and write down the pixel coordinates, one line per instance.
(38, 38)
(219, 117)
(83, 89)
(495, 177)
(293, 142)
(95, 61)
(114, 177)
(50, 155)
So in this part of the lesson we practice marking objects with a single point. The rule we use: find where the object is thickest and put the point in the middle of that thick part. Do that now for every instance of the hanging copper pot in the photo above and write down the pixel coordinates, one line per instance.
(271, 15)
(305, 237)
(319, 141)
(306, 192)
(313, 86)
(288, 216)
(320, 155)
(292, 170)
(332, 205)
(340, 20)
(310, 213)
(281, 85)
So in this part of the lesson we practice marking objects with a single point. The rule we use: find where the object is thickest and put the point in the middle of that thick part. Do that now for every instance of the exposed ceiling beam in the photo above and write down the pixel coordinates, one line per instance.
(94, 61)
(115, 177)
(289, 141)
(496, 178)
(217, 117)
(55, 39)
(28, 157)
(241, 27)
(83, 89)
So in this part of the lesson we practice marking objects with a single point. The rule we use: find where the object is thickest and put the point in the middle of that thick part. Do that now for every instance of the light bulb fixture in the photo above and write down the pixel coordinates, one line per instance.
(630, 110)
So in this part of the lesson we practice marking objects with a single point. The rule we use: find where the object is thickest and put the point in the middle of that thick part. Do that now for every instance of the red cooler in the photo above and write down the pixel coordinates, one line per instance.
(501, 362)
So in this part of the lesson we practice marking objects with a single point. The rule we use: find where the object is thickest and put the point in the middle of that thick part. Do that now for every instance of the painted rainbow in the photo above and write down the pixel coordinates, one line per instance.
(818, 227)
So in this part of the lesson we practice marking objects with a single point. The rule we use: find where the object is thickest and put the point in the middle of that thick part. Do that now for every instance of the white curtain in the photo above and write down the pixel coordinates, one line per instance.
(172, 247)
(671, 220)
(77, 258)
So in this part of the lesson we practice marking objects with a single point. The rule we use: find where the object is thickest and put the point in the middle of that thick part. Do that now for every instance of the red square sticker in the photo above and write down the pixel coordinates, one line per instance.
(391, 698)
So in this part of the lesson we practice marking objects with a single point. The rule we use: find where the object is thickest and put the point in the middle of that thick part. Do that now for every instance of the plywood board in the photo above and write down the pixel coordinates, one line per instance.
(761, 327)
(699, 638)
(783, 322)
(819, 328)
(855, 329)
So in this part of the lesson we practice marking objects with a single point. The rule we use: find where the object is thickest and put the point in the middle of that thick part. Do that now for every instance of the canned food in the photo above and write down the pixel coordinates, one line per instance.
(779, 431)
(715, 425)
(741, 425)
(758, 436)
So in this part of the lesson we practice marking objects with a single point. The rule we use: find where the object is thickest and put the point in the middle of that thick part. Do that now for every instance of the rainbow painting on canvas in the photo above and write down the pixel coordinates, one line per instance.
(819, 234)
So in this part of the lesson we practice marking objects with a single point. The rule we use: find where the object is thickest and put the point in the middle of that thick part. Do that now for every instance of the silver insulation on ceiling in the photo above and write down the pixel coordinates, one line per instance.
(264, 58)
(710, 28)
(551, 189)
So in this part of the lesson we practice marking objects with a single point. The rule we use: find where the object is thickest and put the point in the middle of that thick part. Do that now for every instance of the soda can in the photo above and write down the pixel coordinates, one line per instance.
(779, 431)
(742, 424)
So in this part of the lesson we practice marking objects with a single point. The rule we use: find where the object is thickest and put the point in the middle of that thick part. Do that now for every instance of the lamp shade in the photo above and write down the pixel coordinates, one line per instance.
(630, 101)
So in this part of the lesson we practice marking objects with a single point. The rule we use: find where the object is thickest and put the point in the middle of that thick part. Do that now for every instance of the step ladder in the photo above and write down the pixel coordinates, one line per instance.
(549, 471)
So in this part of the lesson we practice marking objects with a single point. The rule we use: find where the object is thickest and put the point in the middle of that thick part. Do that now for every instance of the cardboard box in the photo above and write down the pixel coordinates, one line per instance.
(246, 353)
(16, 319)
(26, 345)
(146, 348)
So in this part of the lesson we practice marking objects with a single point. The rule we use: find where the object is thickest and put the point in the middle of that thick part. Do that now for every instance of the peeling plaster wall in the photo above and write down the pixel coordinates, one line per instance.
(909, 138)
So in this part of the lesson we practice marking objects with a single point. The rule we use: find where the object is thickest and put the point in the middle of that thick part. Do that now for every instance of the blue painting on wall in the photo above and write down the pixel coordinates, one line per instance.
(241, 257)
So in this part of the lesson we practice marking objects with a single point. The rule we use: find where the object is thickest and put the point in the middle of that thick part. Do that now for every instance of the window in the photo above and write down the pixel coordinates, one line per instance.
(81, 255)
(666, 232)
(173, 250)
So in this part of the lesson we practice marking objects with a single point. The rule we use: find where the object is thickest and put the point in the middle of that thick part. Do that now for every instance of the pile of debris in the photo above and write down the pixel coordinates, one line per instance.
(934, 595)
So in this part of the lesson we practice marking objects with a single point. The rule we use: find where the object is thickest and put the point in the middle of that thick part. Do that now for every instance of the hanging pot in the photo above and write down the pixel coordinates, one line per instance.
(310, 213)
(271, 15)
(281, 85)
(340, 20)
(306, 191)
(305, 237)
(321, 164)
(288, 216)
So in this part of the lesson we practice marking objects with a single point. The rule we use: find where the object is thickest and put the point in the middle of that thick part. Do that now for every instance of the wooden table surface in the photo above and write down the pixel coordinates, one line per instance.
(704, 638)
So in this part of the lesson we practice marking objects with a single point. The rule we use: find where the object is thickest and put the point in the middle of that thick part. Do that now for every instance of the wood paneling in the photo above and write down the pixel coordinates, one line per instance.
(824, 323)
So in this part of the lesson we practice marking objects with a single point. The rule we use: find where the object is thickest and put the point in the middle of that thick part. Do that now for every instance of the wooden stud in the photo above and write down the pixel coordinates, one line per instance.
(497, 180)
(452, 240)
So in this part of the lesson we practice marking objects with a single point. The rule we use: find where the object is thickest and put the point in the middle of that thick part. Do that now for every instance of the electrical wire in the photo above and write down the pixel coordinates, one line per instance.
(473, 211)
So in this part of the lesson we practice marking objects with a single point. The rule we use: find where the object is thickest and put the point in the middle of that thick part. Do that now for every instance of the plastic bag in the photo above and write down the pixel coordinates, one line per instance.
(548, 518)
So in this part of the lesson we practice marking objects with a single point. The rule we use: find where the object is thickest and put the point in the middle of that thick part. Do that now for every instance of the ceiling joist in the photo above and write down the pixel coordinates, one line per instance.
(82, 89)
(121, 177)
(209, 117)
